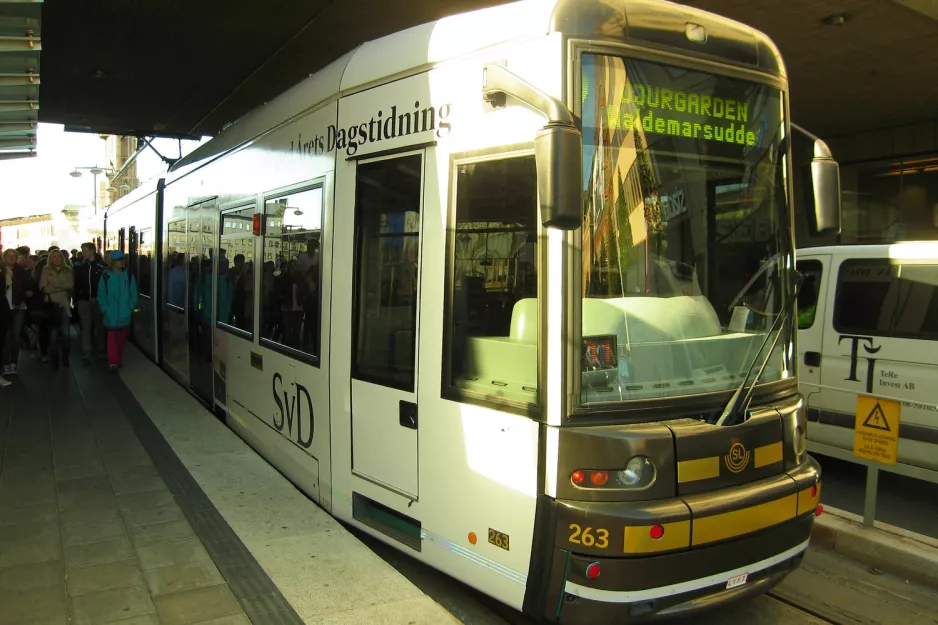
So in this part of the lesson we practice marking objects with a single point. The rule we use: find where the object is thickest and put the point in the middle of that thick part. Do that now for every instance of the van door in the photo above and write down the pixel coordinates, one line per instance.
(812, 311)
(882, 343)
(385, 323)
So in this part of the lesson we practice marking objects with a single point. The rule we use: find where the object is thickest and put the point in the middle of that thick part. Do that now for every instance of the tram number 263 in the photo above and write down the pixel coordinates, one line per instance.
(588, 537)
(499, 539)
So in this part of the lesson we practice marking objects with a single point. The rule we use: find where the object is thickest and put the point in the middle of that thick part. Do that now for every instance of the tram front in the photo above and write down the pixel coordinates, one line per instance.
(678, 476)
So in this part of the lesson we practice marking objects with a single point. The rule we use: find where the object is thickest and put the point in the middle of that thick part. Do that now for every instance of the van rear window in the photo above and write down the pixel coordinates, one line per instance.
(880, 297)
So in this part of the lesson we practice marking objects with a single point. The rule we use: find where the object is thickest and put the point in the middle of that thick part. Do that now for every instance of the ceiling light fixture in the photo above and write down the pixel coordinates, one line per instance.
(835, 20)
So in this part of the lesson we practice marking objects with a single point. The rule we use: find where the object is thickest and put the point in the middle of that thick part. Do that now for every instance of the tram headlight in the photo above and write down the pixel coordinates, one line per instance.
(639, 470)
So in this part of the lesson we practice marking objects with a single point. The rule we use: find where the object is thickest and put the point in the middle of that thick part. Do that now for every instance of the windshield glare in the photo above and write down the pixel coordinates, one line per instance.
(686, 242)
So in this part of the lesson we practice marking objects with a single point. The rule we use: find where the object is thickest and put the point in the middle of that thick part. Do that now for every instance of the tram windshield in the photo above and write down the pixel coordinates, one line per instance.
(685, 238)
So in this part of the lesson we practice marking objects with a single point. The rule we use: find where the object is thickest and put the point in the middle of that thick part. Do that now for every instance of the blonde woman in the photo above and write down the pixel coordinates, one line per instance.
(56, 283)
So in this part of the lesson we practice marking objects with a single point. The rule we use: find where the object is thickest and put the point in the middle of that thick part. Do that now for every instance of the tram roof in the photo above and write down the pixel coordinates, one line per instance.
(179, 68)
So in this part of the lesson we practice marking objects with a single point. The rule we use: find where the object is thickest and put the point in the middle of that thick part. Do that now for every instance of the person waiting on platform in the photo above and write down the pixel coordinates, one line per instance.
(56, 282)
(87, 278)
(117, 298)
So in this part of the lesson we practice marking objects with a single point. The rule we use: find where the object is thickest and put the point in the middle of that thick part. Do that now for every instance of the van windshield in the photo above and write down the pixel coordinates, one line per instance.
(686, 240)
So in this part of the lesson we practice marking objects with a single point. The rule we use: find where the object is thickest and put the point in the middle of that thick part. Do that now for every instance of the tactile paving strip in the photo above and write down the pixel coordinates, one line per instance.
(259, 597)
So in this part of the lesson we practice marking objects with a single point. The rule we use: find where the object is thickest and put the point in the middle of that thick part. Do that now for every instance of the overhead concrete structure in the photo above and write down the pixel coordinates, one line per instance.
(20, 45)
(179, 68)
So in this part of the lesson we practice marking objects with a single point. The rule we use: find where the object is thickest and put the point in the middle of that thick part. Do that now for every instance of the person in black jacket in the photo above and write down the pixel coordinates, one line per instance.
(12, 309)
(87, 276)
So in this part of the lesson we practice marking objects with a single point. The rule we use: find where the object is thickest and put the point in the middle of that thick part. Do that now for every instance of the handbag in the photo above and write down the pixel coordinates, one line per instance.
(47, 313)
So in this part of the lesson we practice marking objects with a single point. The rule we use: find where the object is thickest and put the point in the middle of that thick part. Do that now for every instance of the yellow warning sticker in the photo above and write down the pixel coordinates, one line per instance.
(876, 430)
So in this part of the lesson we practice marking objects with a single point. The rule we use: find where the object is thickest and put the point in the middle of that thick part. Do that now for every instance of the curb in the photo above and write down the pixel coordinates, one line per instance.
(908, 555)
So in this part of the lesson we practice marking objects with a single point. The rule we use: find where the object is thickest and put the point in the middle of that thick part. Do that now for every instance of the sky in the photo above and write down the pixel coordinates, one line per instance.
(42, 185)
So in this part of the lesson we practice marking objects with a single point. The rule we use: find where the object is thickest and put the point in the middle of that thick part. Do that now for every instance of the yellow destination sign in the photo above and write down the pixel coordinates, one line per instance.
(876, 430)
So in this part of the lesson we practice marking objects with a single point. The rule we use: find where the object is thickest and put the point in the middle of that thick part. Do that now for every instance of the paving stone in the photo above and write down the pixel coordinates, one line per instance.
(181, 577)
(143, 470)
(143, 619)
(29, 552)
(26, 514)
(47, 529)
(159, 514)
(92, 469)
(19, 497)
(95, 483)
(29, 576)
(111, 605)
(47, 603)
(125, 459)
(150, 499)
(98, 553)
(192, 606)
(131, 485)
(81, 534)
(170, 553)
(161, 532)
(231, 619)
(90, 514)
(84, 498)
(89, 579)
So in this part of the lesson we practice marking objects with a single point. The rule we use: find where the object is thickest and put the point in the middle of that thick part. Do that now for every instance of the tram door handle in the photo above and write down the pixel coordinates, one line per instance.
(408, 415)
(812, 359)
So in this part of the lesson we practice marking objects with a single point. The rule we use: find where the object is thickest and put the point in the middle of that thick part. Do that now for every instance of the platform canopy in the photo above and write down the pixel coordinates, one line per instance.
(20, 47)
(186, 69)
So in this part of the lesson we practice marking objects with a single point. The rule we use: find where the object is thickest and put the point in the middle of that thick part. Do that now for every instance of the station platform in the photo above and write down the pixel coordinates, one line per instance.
(122, 500)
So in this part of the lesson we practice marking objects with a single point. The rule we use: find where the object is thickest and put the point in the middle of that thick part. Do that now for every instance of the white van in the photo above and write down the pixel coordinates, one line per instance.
(868, 324)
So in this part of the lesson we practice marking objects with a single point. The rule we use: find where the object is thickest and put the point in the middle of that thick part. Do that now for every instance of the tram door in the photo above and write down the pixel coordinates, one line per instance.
(385, 418)
(174, 350)
(201, 220)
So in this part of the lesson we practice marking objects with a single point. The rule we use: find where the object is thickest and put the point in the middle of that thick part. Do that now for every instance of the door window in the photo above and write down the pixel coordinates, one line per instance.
(387, 218)
(290, 298)
(492, 310)
(812, 270)
(235, 291)
(144, 259)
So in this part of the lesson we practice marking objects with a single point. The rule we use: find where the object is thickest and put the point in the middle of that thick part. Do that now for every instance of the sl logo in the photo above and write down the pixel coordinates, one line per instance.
(737, 459)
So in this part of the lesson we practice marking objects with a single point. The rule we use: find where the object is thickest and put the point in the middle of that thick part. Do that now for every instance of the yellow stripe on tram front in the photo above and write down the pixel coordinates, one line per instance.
(747, 520)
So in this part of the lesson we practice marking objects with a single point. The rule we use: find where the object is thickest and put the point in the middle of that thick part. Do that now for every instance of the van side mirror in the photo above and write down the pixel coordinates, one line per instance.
(825, 180)
(558, 146)
(557, 152)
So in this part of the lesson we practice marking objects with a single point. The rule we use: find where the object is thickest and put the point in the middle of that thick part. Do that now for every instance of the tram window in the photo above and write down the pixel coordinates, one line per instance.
(235, 290)
(289, 299)
(492, 316)
(808, 294)
(885, 298)
(144, 257)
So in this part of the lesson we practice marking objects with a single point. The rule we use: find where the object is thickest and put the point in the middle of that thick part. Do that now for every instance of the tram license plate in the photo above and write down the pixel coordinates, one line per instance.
(739, 580)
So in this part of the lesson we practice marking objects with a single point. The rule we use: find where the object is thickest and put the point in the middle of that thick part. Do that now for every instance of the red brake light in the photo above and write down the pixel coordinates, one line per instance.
(656, 532)
(599, 478)
(814, 491)
(578, 477)
(819, 510)
(592, 571)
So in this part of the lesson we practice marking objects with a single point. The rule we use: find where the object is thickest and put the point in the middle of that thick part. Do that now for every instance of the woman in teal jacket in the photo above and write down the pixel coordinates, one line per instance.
(117, 298)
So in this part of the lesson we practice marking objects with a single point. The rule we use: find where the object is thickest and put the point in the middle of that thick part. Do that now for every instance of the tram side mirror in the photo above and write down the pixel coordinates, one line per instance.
(558, 150)
(825, 181)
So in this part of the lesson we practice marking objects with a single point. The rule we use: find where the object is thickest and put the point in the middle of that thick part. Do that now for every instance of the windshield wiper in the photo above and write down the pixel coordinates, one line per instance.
(739, 403)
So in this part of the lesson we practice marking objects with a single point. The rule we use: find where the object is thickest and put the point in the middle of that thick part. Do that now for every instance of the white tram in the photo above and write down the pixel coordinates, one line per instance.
(468, 288)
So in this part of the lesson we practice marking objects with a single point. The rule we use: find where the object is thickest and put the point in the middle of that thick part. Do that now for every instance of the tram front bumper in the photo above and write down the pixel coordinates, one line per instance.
(725, 546)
